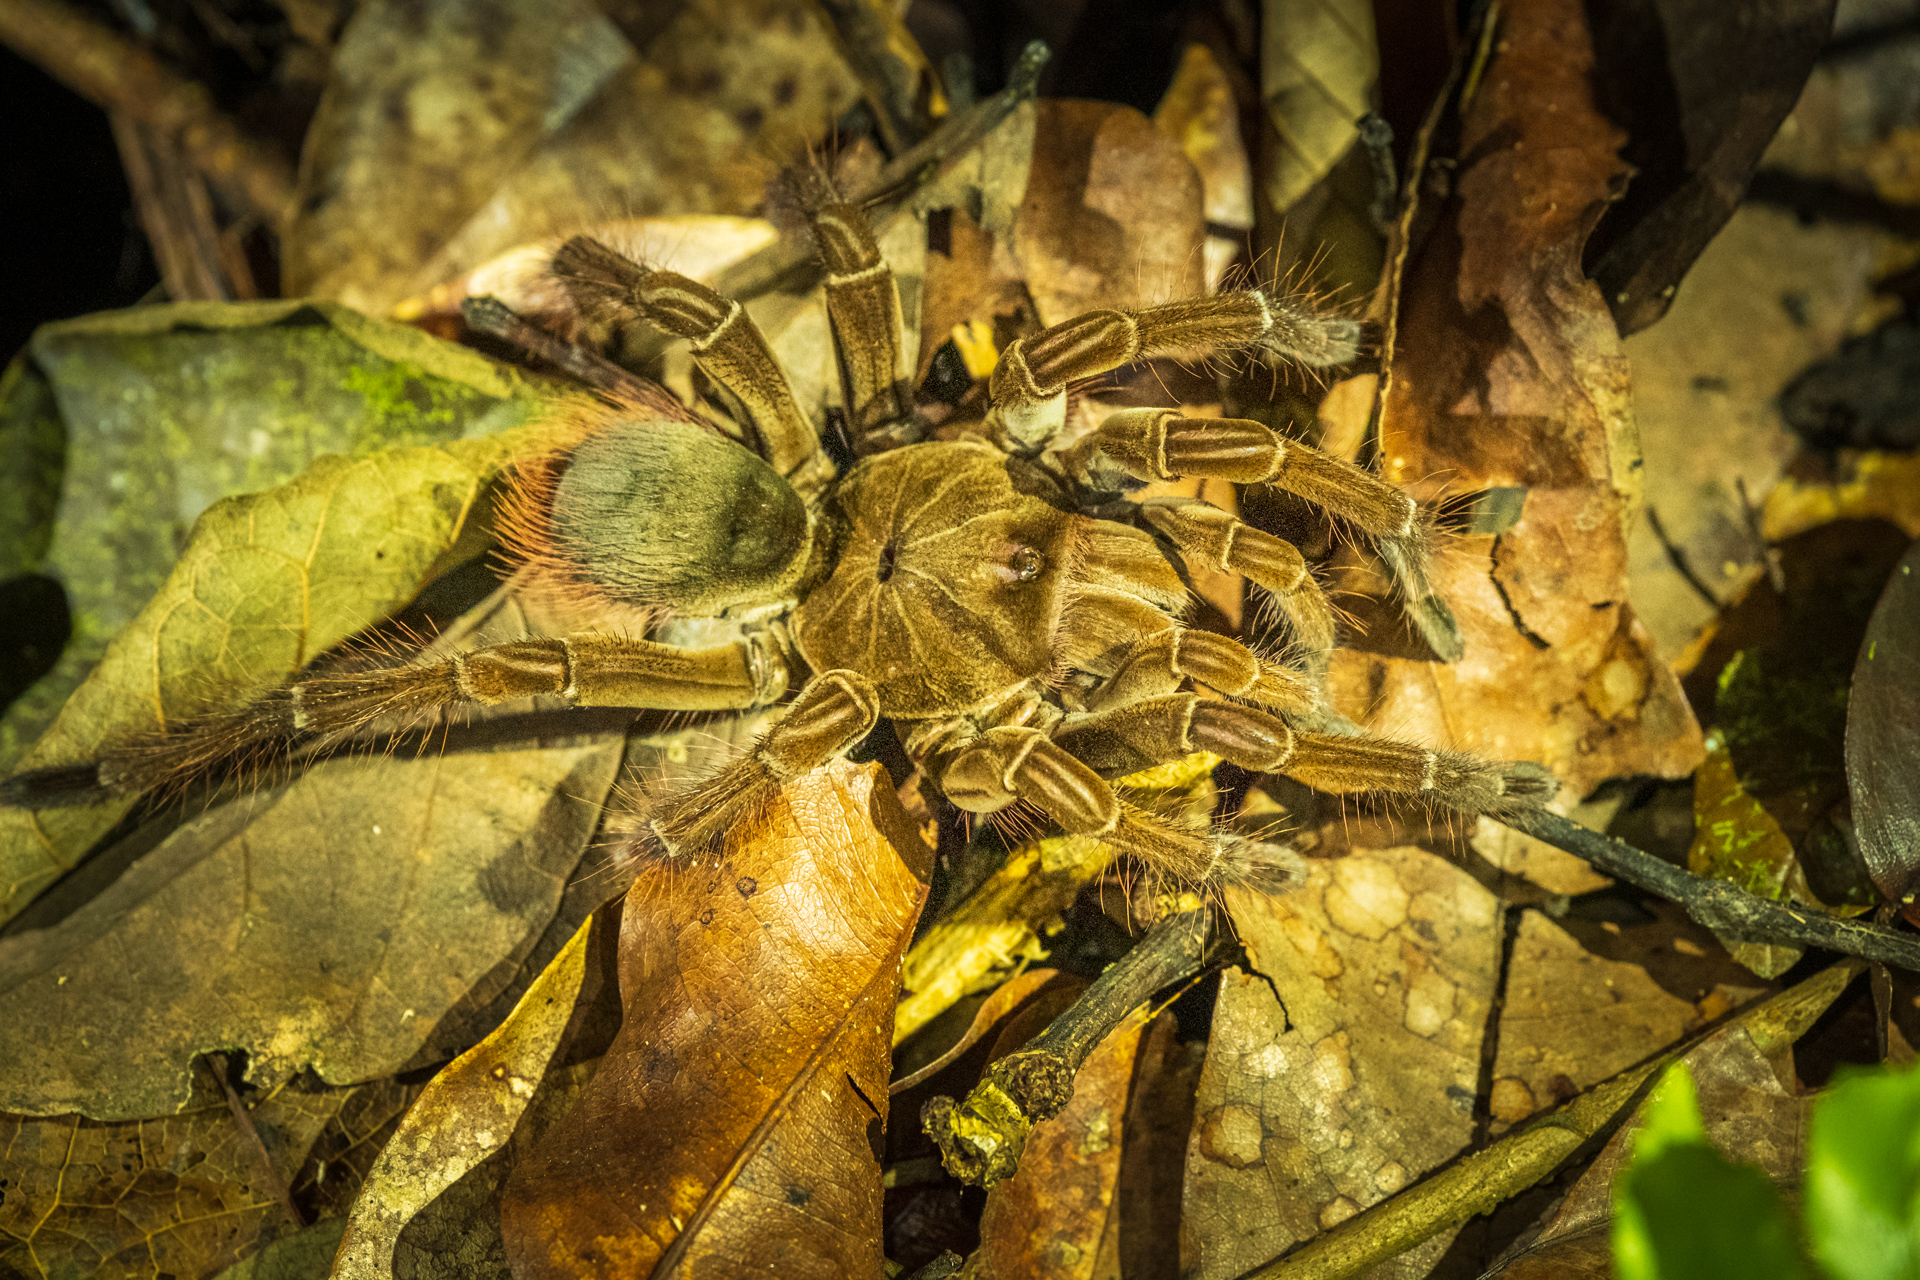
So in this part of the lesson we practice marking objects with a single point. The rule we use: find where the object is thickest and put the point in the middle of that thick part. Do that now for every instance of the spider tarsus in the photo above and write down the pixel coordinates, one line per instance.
(1473, 785)
(1302, 334)
(55, 787)
(1254, 864)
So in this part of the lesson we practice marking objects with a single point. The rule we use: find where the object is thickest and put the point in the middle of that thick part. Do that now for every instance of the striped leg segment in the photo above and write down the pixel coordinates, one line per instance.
(1204, 534)
(863, 302)
(835, 710)
(726, 342)
(1027, 393)
(1163, 444)
(1159, 664)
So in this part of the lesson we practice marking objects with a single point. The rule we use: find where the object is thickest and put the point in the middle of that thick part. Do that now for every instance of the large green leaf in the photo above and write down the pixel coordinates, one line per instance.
(380, 438)
(1682, 1210)
(1863, 1177)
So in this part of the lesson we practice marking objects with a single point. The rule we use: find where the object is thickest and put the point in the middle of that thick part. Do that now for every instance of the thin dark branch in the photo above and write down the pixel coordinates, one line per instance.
(217, 1064)
(1721, 905)
(113, 72)
(982, 1136)
(1678, 559)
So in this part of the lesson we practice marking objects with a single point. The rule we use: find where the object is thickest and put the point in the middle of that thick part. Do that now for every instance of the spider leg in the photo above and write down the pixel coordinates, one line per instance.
(1006, 764)
(835, 710)
(1141, 734)
(1163, 444)
(727, 344)
(1027, 393)
(589, 669)
(1205, 534)
(863, 302)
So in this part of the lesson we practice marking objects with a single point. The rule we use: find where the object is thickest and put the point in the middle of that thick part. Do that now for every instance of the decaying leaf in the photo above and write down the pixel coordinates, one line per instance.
(1883, 736)
(177, 402)
(735, 1120)
(1318, 64)
(1751, 1114)
(1058, 1216)
(1345, 1065)
(566, 117)
(1571, 1019)
(328, 924)
(1508, 374)
(465, 1114)
(183, 1194)
(1736, 839)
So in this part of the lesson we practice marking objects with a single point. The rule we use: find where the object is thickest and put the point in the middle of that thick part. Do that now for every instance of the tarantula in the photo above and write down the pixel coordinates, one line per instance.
(998, 595)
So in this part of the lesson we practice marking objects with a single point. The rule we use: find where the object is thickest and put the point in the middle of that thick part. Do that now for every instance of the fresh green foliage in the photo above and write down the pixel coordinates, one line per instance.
(1681, 1209)
(1863, 1177)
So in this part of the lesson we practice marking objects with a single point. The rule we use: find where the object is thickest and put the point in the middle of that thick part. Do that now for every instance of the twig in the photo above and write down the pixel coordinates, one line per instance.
(796, 267)
(890, 66)
(1479, 1182)
(175, 212)
(216, 1063)
(1678, 559)
(489, 315)
(111, 71)
(1721, 905)
(981, 1137)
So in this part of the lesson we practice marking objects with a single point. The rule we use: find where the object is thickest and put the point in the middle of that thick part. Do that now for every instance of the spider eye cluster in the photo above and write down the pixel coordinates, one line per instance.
(1026, 564)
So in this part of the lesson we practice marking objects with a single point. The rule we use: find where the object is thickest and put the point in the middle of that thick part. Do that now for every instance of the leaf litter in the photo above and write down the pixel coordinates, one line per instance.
(1427, 992)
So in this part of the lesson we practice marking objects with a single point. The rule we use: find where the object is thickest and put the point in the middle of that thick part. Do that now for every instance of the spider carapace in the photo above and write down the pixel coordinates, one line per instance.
(998, 595)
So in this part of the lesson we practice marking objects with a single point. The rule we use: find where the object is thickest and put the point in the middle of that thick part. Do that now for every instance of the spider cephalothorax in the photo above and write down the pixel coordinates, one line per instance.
(997, 594)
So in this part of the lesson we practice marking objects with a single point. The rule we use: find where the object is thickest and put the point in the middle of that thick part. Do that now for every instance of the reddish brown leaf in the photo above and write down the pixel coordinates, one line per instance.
(736, 1119)
(1508, 373)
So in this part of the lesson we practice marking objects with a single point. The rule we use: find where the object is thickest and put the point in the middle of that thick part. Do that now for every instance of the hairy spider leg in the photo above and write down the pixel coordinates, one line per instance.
(588, 669)
(1163, 444)
(1022, 763)
(863, 302)
(1027, 394)
(833, 711)
(1206, 535)
(1159, 663)
(726, 343)
(1130, 737)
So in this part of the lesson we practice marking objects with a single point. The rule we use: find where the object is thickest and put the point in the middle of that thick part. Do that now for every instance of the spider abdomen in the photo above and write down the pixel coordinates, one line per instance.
(669, 514)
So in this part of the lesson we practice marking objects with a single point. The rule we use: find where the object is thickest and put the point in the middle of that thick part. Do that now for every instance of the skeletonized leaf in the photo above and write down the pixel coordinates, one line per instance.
(466, 1114)
(1883, 736)
(734, 1123)
(185, 1192)
(328, 924)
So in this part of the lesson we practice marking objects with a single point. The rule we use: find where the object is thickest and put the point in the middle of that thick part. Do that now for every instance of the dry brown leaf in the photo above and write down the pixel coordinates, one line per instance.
(1005, 998)
(1318, 64)
(1056, 1217)
(1508, 373)
(328, 924)
(1199, 112)
(525, 121)
(183, 1194)
(1751, 1113)
(1345, 1066)
(735, 1122)
(466, 1113)
(1112, 215)
(1572, 1019)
